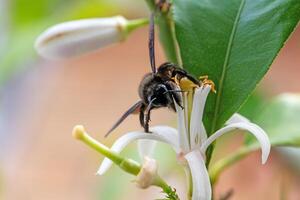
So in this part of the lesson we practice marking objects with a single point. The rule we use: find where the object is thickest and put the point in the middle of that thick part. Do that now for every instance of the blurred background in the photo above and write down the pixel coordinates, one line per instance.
(42, 100)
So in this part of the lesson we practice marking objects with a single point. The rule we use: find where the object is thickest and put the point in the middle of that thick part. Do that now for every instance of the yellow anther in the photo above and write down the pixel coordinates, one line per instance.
(206, 81)
(186, 84)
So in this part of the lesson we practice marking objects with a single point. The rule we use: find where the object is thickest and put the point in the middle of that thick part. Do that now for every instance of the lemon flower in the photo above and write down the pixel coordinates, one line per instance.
(190, 141)
(79, 37)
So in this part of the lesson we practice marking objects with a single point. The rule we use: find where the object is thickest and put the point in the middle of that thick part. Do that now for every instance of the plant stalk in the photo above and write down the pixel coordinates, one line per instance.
(224, 163)
(189, 182)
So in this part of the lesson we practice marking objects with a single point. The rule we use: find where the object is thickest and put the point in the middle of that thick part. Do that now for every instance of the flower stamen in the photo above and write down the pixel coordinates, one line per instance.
(206, 81)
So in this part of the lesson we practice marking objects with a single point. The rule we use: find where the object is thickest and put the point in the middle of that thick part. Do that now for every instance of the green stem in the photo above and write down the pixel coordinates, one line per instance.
(136, 23)
(190, 182)
(167, 34)
(128, 165)
(223, 164)
(170, 192)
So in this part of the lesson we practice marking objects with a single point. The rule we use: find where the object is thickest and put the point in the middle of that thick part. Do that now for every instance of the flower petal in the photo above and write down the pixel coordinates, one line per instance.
(79, 37)
(146, 147)
(197, 130)
(182, 129)
(236, 118)
(159, 133)
(201, 182)
(254, 129)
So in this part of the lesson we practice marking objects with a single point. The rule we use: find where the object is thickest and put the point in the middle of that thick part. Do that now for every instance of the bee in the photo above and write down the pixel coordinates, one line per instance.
(157, 89)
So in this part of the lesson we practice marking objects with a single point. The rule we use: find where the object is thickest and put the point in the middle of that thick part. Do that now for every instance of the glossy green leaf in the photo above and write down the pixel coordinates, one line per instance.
(254, 104)
(281, 120)
(234, 42)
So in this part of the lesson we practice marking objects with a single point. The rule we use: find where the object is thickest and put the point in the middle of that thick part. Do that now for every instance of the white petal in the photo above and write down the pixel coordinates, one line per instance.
(201, 182)
(255, 130)
(186, 112)
(159, 133)
(182, 129)
(197, 130)
(79, 37)
(146, 148)
(236, 118)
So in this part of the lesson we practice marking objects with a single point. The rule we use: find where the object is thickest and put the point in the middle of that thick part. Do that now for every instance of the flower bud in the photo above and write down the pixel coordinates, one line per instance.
(79, 37)
(147, 174)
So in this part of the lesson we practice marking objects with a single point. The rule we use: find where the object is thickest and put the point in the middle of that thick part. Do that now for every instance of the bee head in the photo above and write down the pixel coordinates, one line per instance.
(159, 97)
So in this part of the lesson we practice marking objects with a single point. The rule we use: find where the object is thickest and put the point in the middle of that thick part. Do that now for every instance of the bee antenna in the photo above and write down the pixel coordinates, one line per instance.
(151, 43)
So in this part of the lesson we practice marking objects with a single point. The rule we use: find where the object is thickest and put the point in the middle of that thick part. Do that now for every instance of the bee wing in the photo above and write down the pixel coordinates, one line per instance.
(133, 109)
(151, 43)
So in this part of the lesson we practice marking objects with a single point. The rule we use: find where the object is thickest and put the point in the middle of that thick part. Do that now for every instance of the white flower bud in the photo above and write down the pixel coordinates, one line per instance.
(79, 37)
(147, 174)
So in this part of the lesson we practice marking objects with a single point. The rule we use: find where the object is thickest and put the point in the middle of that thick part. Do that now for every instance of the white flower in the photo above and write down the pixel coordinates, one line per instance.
(191, 141)
(79, 37)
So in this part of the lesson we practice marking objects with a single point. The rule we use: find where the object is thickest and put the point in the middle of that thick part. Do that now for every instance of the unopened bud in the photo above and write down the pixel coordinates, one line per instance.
(79, 37)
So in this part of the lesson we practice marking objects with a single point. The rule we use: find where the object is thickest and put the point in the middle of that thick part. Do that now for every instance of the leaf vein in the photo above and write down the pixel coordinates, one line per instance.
(226, 61)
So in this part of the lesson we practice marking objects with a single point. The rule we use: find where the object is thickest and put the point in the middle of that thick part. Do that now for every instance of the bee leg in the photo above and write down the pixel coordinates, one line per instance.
(175, 96)
(177, 100)
(147, 120)
(173, 92)
(147, 115)
(142, 116)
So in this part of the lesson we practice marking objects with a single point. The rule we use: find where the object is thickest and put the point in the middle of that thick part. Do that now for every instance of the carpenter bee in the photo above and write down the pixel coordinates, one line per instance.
(157, 89)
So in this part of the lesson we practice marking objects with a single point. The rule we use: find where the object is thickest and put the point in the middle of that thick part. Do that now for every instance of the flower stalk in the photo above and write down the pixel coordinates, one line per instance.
(146, 174)
(189, 182)
(216, 169)
(126, 164)
(134, 24)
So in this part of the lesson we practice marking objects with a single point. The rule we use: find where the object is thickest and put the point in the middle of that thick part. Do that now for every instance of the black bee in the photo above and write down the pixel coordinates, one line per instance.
(158, 88)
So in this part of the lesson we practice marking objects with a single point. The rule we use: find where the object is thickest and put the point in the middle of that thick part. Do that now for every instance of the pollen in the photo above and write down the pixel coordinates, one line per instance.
(187, 85)
(184, 83)
(206, 81)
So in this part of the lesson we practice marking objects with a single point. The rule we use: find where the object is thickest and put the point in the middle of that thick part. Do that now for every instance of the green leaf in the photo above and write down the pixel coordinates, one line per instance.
(280, 120)
(254, 104)
(234, 42)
